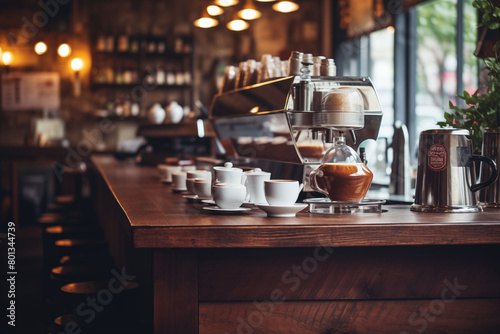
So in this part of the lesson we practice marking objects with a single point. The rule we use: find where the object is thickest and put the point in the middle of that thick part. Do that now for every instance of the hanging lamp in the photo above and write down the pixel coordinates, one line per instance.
(249, 11)
(286, 6)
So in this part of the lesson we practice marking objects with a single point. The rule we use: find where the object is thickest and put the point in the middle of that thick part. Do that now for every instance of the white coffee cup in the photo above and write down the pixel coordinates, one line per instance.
(255, 185)
(282, 192)
(190, 185)
(203, 188)
(229, 195)
(198, 174)
(166, 172)
(189, 168)
(179, 181)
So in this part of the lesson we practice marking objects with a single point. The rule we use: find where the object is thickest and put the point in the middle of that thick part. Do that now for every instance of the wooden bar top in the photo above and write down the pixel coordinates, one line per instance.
(158, 218)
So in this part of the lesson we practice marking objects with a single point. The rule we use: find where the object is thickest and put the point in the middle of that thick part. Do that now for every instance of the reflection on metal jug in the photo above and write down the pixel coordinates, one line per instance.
(446, 176)
(490, 196)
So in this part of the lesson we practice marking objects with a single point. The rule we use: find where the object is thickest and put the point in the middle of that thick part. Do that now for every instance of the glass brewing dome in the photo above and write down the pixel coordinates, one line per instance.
(341, 153)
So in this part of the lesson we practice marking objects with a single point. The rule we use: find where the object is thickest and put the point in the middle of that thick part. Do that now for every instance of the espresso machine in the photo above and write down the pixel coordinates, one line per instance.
(281, 125)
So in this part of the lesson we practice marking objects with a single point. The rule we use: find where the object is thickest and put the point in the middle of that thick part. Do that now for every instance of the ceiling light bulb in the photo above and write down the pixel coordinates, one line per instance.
(286, 6)
(7, 58)
(206, 22)
(249, 14)
(64, 50)
(237, 25)
(76, 64)
(214, 10)
(40, 48)
(226, 3)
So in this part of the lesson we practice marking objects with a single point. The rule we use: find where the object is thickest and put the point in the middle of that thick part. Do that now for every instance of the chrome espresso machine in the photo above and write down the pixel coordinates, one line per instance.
(282, 127)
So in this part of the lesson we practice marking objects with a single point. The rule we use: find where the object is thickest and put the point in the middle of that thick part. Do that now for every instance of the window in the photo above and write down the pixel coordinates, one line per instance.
(418, 65)
(441, 72)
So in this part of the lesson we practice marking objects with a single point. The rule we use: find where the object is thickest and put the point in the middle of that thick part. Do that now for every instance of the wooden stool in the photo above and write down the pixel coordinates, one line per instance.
(86, 259)
(62, 275)
(52, 253)
(79, 273)
(80, 245)
(65, 199)
(71, 323)
(111, 302)
(56, 218)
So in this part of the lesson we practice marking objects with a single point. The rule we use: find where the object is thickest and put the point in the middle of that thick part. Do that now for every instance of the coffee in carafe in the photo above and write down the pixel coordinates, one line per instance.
(343, 181)
(343, 177)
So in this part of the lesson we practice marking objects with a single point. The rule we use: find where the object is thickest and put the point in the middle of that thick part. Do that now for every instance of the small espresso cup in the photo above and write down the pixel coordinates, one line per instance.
(282, 192)
(190, 185)
(166, 172)
(188, 168)
(229, 195)
(179, 181)
(199, 173)
(203, 188)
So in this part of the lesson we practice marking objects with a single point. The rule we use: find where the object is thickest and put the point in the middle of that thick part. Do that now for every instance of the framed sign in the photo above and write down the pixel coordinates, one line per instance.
(30, 91)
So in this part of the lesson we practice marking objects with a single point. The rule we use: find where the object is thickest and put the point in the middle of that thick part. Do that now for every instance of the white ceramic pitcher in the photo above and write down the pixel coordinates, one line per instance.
(255, 185)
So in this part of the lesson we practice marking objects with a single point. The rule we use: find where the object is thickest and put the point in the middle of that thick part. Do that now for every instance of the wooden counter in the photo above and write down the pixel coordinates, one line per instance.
(314, 273)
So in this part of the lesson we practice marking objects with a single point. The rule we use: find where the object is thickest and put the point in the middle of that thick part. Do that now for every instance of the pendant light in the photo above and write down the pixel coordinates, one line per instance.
(226, 3)
(286, 6)
(214, 10)
(237, 24)
(249, 12)
(205, 21)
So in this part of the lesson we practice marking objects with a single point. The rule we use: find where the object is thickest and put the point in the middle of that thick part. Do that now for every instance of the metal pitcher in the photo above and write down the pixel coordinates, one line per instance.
(490, 196)
(446, 174)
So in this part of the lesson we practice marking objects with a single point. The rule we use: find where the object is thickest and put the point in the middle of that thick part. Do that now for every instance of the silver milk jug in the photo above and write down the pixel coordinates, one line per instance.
(446, 174)
(490, 196)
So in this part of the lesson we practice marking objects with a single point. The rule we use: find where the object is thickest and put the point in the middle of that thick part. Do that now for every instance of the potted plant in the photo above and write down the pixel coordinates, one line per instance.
(482, 109)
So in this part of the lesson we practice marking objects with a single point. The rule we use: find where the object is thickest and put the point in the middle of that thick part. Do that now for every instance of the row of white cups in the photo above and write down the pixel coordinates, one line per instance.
(229, 188)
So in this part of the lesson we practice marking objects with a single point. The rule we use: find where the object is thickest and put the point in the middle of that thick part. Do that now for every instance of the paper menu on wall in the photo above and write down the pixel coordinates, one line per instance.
(30, 91)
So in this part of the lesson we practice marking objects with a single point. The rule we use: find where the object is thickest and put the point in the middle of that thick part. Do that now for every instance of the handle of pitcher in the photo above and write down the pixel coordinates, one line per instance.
(314, 182)
(494, 174)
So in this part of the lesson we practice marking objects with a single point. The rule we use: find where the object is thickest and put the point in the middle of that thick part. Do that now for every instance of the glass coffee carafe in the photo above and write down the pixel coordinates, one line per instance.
(342, 176)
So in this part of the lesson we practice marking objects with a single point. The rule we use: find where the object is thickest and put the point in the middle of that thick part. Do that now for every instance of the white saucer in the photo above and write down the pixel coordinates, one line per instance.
(212, 202)
(190, 196)
(178, 190)
(217, 209)
(282, 211)
(198, 198)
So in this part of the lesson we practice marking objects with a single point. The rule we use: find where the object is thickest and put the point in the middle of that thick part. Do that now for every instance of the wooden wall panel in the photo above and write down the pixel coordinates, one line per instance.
(348, 273)
(374, 317)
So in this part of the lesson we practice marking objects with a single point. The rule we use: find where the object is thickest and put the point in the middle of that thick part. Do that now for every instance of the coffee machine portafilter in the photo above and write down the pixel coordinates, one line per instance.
(280, 126)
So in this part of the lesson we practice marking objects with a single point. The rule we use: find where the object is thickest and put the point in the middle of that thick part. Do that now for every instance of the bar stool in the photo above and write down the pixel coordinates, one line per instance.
(73, 246)
(111, 303)
(51, 234)
(79, 273)
(61, 275)
(56, 218)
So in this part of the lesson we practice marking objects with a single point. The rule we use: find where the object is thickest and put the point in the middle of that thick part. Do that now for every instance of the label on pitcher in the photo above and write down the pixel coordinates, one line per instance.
(436, 157)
